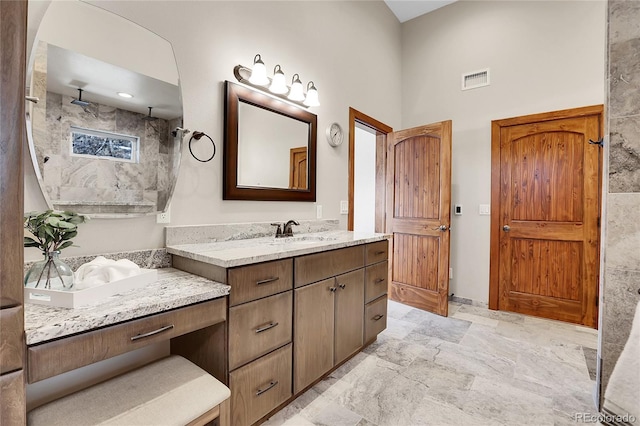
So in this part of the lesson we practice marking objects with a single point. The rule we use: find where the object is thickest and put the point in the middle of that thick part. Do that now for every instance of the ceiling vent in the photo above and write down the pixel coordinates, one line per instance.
(475, 79)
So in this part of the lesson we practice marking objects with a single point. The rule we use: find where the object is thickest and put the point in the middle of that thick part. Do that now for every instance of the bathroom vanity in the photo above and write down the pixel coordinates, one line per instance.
(177, 305)
(298, 308)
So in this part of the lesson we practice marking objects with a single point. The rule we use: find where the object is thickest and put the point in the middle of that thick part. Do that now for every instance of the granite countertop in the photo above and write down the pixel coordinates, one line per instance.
(239, 252)
(173, 289)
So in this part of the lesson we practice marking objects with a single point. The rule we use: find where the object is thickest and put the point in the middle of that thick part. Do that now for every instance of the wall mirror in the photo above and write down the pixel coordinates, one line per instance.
(96, 150)
(269, 148)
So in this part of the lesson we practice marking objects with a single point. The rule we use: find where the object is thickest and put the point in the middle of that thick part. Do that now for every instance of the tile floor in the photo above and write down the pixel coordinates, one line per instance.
(476, 367)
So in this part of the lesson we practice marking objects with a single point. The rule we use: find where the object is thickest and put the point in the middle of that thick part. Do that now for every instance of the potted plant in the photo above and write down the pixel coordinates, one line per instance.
(51, 231)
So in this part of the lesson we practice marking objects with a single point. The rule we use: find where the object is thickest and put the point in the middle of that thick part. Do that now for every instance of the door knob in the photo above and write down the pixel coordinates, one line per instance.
(506, 228)
(442, 228)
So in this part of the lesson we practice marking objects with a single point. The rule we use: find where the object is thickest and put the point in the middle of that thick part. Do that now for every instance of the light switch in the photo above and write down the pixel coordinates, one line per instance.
(485, 209)
(319, 211)
(344, 207)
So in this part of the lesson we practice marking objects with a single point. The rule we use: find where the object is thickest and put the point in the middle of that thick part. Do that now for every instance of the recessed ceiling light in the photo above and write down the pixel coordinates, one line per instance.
(125, 95)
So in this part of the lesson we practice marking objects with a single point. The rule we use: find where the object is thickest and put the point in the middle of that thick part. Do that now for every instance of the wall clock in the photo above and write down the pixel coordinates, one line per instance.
(335, 134)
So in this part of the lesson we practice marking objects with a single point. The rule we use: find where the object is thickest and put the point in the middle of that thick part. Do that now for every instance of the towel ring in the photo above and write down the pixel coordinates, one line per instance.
(197, 135)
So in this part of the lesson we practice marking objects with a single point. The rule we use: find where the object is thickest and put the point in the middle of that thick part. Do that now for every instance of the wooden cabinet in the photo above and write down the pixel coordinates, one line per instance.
(313, 332)
(293, 320)
(59, 356)
(349, 311)
(13, 37)
(328, 315)
(260, 331)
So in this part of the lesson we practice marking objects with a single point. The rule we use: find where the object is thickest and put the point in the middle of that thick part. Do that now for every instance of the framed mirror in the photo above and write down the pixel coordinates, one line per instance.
(269, 148)
(100, 133)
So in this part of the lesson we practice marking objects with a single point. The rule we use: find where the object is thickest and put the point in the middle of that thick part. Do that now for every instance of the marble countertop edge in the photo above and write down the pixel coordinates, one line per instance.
(174, 289)
(228, 254)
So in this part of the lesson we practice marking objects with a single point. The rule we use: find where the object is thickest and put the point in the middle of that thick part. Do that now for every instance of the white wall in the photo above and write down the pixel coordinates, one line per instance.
(364, 194)
(543, 56)
(331, 43)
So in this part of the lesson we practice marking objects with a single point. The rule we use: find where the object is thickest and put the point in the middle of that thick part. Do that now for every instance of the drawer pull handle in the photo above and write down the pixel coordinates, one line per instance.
(332, 289)
(267, 281)
(266, 327)
(380, 280)
(377, 317)
(151, 333)
(380, 252)
(342, 286)
(269, 386)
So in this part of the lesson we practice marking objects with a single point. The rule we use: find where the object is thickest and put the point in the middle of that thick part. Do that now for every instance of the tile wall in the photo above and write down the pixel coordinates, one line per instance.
(622, 219)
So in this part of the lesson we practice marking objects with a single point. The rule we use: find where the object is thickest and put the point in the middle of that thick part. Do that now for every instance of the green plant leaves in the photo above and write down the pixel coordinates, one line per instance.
(52, 230)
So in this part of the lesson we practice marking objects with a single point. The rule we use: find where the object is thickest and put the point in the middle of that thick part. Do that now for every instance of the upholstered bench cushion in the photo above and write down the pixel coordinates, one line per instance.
(171, 391)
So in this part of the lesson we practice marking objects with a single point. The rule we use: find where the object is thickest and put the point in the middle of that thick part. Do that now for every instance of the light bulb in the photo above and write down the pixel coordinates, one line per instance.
(312, 95)
(297, 92)
(259, 72)
(278, 84)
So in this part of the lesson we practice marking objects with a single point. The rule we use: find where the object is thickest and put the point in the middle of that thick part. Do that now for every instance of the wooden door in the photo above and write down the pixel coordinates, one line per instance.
(298, 168)
(418, 215)
(313, 332)
(545, 236)
(349, 314)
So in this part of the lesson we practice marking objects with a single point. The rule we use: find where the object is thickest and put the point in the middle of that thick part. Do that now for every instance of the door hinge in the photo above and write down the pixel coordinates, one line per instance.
(598, 222)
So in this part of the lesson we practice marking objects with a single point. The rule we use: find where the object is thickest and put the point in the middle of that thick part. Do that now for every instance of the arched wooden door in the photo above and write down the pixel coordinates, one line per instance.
(418, 215)
(545, 215)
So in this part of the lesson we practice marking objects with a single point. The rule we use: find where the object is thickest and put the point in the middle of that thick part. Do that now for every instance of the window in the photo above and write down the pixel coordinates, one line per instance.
(110, 146)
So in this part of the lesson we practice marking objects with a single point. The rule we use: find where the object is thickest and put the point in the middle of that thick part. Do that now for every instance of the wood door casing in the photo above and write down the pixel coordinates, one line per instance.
(298, 168)
(546, 191)
(418, 215)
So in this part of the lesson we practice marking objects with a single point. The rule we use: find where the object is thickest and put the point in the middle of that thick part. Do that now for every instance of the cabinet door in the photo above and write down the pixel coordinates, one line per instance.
(349, 314)
(313, 332)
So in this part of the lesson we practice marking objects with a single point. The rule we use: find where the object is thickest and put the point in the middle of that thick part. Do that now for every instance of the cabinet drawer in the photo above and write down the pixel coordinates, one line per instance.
(375, 318)
(59, 356)
(259, 387)
(258, 327)
(318, 266)
(376, 281)
(11, 338)
(257, 281)
(377, 252)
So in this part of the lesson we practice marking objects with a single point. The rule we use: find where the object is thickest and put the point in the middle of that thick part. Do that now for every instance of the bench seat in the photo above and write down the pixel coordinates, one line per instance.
(170, 391)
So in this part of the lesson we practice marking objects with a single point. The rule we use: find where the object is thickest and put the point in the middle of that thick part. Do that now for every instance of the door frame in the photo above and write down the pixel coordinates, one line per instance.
(363, 121)
(496, 127)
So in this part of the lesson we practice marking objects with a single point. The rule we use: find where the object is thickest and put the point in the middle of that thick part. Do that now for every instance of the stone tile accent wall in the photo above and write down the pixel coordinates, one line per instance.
(622, 221)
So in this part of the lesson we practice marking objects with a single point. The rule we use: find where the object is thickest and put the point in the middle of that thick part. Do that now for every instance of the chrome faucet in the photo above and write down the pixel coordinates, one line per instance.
(287, 231)
(278, 230)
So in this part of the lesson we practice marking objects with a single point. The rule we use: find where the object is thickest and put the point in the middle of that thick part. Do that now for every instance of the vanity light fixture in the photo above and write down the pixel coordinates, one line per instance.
(257, 78)
(259, 72)
(125, 95)
(278, 84)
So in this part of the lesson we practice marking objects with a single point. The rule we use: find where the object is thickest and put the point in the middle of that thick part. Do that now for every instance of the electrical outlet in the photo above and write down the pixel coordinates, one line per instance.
(164, 217)
(319, 211)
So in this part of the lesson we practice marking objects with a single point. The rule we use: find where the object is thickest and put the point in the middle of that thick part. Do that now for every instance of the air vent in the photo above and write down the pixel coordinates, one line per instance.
(475, 79)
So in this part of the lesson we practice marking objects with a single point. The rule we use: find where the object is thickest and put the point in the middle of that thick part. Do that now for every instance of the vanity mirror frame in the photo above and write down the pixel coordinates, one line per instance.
(236, 93)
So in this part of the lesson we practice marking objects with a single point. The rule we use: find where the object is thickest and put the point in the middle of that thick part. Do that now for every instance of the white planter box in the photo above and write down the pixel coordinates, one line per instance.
(74, 299)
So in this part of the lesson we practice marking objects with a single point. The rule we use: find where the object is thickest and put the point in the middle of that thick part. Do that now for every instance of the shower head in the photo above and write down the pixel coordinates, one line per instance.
(79, 101)
(149, 117)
